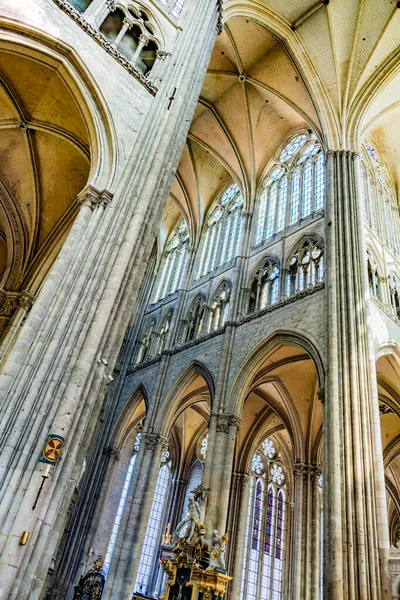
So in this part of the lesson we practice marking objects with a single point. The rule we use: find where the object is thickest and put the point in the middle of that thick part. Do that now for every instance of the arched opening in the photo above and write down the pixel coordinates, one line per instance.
(279, 451)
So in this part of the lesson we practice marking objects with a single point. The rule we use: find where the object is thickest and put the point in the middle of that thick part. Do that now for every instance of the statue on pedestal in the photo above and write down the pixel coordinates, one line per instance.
(217, 555)
(187, 531)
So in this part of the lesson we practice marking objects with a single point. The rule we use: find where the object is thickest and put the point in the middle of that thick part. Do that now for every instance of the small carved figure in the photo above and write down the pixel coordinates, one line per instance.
(217, 556)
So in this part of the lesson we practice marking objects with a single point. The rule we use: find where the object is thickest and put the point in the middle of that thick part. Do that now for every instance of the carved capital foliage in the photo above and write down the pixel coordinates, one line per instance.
(110, 5)
(306, 469)
(154, 440)
(112, 452)
(162, 54)
(92, 198)
(225, 422)
(242, 478)
(143, 39)
(10, 301)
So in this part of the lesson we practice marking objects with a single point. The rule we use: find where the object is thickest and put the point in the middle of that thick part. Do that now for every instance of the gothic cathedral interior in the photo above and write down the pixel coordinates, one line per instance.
(200, 300)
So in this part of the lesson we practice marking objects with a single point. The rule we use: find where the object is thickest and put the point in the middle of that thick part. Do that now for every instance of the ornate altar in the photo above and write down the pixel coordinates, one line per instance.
(91, 585)
(195, 568)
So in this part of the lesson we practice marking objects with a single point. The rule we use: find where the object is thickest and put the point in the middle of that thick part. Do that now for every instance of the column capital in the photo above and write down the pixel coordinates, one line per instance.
(10, 301)
(128, 23)
(242, 478)
(224, 422)
(162, 54)
(143, 39)
(306, 469)
(112, 452)
(153, 440)
(110, 5)
(91, 197)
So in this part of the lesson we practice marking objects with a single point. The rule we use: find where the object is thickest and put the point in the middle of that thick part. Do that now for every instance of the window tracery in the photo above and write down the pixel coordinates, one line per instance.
(265, 543)
(163, 333)
(264, 289)
(221, 235)
(381, 210)
(294, 188)
(195, 318)
(219, 309)
(146, 342)
(121, 504)
(173, 263)
(153, 532)
(306, 266)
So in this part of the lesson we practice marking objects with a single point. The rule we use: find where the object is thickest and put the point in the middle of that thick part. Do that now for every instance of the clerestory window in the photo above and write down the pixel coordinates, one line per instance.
(265, 542)
(221, 235)
(172, 264)
(293, 189)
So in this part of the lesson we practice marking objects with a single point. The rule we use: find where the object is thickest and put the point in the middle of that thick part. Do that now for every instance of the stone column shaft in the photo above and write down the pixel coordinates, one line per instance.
(52, 371)
(356, 543)
(125, 561)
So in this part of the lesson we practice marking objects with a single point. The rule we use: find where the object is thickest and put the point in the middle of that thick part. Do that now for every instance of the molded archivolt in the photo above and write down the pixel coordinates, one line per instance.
(57, 132)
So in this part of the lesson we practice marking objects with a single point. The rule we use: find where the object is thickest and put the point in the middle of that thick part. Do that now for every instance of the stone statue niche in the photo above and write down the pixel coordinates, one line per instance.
(193, 561)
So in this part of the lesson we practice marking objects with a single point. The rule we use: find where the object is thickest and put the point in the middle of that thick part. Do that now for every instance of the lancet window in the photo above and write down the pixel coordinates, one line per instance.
(121, 504)
(264, 289)
(173, 263)
(266, 540)
(293, 189)
(381, 210)
(394, 289)
(152, 538)
(219, 308)
(195, 318)
(306, 266)
(145, 349)
(221, 236)
(163, 332)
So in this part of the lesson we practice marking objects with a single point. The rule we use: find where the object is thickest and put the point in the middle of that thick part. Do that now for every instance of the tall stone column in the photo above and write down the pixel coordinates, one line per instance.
(70, 341)
(237, 527)
(125, 560)
(356, 540)
(218, 469)
(306, 532)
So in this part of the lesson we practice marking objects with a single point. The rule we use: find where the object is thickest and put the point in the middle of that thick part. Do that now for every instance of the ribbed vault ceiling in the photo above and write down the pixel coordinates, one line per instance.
(346, 82)
(44, 147)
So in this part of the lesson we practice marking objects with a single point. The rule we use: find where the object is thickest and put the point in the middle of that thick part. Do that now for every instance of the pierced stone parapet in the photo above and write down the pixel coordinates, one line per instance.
(105, 43)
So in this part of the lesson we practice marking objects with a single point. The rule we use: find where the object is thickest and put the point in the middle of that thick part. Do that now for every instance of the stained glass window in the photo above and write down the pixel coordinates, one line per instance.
(256, 517)
(269, 448)
(292, 147)
(151, 539)
(221, 236)
(121, 504)
(293, 190)
(172, 264)
(264, 556)
(203, 447)
(307, 189)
